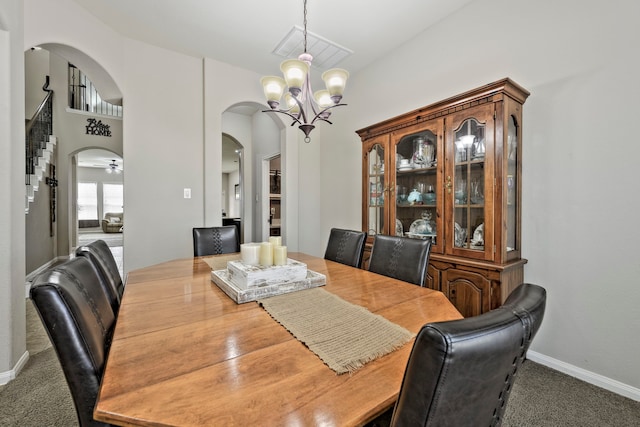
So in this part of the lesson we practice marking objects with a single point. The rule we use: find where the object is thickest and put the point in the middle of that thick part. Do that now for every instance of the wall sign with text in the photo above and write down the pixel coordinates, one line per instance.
(96, 127)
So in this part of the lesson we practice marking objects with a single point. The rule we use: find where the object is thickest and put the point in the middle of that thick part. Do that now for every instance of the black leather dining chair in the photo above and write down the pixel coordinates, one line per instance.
(461, 372)
(100, 255)
(215, 240)
(79, 321)
(346, 246)
(402, 258)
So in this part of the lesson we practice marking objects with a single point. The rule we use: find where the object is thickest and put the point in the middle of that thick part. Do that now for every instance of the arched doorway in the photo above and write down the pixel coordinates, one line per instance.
(98, 181)
(262, 138)
(232, 184)
(71, 125)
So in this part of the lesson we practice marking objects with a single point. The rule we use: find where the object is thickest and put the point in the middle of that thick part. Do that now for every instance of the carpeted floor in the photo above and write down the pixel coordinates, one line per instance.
(541, 397)
(39, 395)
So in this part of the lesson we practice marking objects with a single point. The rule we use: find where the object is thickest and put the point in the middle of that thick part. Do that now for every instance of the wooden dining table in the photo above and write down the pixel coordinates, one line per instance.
(185, 354)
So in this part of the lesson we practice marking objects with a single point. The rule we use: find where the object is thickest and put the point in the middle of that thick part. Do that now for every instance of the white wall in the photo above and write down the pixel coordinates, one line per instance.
(36, 70)
(163, 134)
(576, 59)
(13, 354)
(233, 179)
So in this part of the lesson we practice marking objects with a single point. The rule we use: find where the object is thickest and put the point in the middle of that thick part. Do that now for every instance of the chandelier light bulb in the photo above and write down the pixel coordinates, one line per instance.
(295, 73)
(323, 98)
(273, 89)
(292, 105)
(335, 80)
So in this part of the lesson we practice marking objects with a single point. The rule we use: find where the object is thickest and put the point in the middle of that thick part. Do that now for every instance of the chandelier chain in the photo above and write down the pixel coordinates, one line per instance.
(305, 26)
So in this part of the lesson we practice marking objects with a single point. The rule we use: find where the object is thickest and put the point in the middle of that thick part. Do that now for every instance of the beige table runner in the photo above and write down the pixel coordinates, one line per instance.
(344, 335)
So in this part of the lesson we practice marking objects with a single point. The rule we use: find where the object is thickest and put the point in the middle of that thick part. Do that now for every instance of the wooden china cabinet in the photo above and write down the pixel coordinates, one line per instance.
(451, 172)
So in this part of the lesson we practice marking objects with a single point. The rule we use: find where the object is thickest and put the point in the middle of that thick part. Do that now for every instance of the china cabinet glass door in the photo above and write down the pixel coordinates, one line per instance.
(469, 184)
(512, 187)
(417, 190)
(377, 190)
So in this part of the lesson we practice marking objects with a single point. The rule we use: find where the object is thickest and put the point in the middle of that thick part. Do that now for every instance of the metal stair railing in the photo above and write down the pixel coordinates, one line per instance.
(37, 132)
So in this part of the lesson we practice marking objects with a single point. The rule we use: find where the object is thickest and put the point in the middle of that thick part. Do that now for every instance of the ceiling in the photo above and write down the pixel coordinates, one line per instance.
(97, 158)
(244, 33)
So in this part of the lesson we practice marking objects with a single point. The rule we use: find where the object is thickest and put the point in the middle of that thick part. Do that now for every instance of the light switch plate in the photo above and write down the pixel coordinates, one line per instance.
(187, 193)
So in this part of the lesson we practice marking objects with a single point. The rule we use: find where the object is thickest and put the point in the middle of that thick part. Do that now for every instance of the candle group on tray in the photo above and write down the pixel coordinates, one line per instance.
(264, 254)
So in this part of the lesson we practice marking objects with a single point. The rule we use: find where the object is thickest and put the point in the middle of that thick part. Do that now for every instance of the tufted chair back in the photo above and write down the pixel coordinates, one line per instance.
(346, 246)
(79, 320)
(100, 255)
(215, 240)
(400, 257)
(461, 372)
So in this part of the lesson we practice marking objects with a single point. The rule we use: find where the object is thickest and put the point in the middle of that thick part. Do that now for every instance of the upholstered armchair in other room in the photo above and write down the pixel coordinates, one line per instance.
(113, 222)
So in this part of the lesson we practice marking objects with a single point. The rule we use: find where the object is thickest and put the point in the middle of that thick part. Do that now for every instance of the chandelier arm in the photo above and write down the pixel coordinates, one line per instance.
(310, 99)
(319, 115)
(301, 113)
(285, 112)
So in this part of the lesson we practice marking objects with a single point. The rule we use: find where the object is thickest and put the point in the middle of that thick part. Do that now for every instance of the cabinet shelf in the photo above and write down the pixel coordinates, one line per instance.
(415, 206)
(431, 169)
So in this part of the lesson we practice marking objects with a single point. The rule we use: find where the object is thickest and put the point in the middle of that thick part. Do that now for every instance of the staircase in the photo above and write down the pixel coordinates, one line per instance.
(33, 180)
(39, 145)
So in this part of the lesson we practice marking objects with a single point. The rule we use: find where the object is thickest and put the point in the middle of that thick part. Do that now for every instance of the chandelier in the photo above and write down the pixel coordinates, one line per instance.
(302, 105)
(113, 167)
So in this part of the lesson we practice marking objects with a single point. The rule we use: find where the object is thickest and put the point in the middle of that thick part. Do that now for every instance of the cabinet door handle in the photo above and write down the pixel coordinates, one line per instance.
(447, 184)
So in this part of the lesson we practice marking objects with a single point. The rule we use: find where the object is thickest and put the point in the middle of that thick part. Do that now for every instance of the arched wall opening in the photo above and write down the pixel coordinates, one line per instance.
(262, 136)
(70, 132)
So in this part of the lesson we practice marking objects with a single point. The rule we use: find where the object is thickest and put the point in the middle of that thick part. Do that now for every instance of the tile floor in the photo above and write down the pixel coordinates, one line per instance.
(117, 252)
(114, 240)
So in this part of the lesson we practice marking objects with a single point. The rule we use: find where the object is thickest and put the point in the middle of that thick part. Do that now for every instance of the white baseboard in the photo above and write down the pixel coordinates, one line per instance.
(5, 377)
(587, 376)
(39, 270)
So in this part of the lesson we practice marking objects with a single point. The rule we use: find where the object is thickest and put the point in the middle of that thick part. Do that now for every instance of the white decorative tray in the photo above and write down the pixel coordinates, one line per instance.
(246, 276)
(270, 288)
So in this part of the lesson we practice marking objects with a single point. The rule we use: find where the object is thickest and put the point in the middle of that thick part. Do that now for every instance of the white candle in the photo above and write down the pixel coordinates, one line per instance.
(266, 254)
(279, 255)
(275, 240)
(250, 253)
